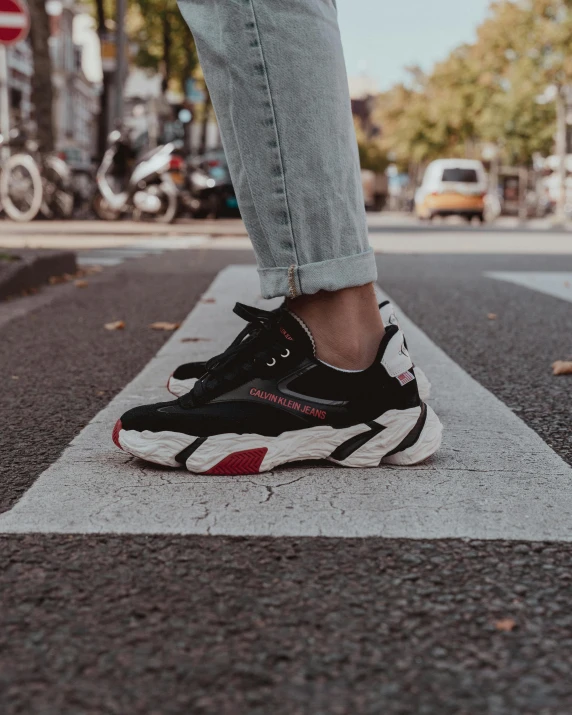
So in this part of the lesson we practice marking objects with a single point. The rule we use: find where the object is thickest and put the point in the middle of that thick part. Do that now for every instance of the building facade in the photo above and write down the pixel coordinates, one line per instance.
(76, 100)
(20, 70)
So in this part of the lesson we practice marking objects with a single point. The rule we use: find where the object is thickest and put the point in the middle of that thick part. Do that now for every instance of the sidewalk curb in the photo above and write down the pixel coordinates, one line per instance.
(32, 268)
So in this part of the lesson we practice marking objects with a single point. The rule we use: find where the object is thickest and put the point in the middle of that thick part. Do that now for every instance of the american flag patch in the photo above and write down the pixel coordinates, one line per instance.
(406, 377)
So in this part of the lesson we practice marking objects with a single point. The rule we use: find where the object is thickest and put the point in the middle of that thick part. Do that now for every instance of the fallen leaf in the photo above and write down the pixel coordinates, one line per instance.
(194, 340)
(208, 300)
(562, 367)
(492, 316)
(101, 392)
(81, 284)
(15, 377)
(164, 326)
(54, 280)
(506, 625)
(117, 325)
(92, 270)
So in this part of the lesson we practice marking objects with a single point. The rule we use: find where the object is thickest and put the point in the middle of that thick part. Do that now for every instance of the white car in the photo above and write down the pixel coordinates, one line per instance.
(452, 187)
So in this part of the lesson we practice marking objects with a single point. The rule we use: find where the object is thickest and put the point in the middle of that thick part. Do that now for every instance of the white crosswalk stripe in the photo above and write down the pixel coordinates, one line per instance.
(558, 284)
(494, 478)
(115, 255)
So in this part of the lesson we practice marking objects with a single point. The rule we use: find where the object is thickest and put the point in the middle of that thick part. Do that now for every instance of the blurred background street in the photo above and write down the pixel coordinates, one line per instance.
(94, 96)
(443, 590)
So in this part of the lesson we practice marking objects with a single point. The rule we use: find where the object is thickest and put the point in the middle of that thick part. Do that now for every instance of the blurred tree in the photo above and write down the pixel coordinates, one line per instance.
(411, 127)
(528, 45)
(490, 91)
(42, 91)
(372, 155)
(165, 41)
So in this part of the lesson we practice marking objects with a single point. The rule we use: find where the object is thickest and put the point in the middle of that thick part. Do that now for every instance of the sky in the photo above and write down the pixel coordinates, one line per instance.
(381, 37)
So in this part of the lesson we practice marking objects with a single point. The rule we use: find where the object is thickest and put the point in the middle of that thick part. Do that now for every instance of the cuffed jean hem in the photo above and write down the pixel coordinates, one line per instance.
(334, 274)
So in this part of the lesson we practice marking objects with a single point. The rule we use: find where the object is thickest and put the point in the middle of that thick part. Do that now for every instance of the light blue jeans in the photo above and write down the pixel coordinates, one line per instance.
(275, 71)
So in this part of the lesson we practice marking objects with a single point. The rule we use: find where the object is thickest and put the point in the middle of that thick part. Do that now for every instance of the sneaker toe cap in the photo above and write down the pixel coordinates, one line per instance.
(147, 417)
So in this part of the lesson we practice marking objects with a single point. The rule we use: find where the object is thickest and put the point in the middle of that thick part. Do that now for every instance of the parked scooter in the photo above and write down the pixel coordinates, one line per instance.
(141, 187)
(205, 187)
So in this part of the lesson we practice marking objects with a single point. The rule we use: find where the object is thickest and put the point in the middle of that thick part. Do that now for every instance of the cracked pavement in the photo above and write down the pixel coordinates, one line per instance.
(521, 490)
(219, 624)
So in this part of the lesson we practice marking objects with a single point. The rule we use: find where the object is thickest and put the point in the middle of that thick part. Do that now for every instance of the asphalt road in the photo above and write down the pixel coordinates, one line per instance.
(133, 624)
(450, 298)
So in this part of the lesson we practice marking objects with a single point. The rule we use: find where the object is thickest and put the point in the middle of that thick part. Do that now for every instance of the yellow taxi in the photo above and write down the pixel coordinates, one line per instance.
(452, 187)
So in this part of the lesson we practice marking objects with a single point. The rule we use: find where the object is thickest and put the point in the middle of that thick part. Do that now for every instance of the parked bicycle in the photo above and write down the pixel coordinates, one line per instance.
(32, 181)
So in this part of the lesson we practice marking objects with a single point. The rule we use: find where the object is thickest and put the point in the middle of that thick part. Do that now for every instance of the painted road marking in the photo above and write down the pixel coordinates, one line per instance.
(495, 477)
(555, 283)
(115, 255)
(400, 241)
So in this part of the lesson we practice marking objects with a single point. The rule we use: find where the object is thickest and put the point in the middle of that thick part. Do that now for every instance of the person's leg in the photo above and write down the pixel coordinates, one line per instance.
(277, 79)
(346, 325)
(318, 378)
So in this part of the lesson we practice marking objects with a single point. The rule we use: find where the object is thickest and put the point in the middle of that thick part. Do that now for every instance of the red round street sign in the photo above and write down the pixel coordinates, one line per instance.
(14, 22)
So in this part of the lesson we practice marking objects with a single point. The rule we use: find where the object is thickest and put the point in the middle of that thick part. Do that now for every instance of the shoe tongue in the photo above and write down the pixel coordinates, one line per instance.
(293, 332)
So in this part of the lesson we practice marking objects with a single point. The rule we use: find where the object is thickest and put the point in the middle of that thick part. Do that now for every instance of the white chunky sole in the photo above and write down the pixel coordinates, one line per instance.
(182, 387)
(398, 437)
(423, 384)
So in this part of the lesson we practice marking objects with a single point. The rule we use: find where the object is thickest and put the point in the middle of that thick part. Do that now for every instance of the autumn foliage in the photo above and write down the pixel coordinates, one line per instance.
(502, 89)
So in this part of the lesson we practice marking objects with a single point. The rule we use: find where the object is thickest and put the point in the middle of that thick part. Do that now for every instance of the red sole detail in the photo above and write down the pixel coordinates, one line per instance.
(245, 462)
(116, 430)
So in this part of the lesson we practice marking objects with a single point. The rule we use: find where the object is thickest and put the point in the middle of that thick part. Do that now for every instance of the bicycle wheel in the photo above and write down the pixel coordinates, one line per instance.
(21, 188)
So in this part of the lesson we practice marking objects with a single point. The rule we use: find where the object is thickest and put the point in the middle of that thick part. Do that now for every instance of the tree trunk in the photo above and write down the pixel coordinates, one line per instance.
(206, 117)
(105, 97)
(167, 42)
(42, 90)
(560, 218)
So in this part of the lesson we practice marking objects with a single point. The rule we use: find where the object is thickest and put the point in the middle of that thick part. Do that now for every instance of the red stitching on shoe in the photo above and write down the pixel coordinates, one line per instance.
(245, 462)
(116, 430)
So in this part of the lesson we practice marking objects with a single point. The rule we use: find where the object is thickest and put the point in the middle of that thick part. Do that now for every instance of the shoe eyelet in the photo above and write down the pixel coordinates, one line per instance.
(285, 354)
(271, 364)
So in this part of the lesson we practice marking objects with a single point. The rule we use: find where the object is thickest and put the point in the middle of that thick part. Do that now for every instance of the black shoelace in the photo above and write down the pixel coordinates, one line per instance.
(256, 344)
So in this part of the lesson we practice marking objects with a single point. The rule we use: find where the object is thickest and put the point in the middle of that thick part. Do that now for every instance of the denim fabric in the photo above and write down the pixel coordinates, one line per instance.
(276, 74)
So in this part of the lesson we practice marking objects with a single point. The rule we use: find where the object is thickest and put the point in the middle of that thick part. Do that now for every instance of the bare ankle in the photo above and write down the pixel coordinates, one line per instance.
(346, 325)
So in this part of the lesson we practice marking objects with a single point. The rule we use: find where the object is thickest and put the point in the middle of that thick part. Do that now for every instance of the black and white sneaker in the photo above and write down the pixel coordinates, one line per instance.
(185, 376)
(268, 400)
(388, 317)
(182, 381)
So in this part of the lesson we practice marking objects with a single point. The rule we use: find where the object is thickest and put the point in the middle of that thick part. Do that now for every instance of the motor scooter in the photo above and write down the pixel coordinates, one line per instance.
(140, 187)
(205, 187)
